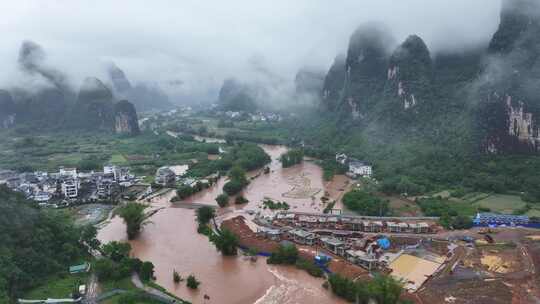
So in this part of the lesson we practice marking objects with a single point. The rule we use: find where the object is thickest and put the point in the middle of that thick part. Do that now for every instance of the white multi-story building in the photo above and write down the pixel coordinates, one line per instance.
(42, 197)
(360, 168)
(70, 188)
(119, 174)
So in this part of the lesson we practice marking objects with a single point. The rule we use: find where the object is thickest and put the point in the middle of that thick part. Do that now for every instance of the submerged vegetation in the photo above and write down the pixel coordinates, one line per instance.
(134, 216)
(292, 157)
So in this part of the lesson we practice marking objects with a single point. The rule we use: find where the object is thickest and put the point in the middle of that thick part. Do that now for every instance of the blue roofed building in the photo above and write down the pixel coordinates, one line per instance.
(486, 219)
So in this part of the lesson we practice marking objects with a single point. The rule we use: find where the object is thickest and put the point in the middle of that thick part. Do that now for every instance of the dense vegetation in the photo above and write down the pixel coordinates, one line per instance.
(185, 191)
(270, 204)
(452, 214)
(204, 215)
(247, 156)
(23, 150)
(225, 241)
(117, 264)
(381, 289)
(237, 181)
(222, 200)
(133, 215)
(288, 255)
(365, 203)
(35, 244)
(292, 157)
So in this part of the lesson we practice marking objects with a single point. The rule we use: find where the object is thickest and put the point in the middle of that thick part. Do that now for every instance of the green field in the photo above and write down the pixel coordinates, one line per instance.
(90, 151)
(118, 159)
(501, 203)
(58, 286)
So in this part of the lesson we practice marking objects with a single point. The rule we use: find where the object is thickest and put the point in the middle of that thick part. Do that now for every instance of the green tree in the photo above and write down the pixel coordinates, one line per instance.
(226, 242)
(105, 269)
(222, 200)
(285, 254)
(385, 289)
(292, 157)
(116, 251)
(233, 187)
(89, 237)
(134, 217)
(184, 191)
(205, 214)
(238, 174)
(147, 271)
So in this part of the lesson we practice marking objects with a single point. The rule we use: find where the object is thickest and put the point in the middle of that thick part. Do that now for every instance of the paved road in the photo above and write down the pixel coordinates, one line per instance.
(152, 291)
(92, 288)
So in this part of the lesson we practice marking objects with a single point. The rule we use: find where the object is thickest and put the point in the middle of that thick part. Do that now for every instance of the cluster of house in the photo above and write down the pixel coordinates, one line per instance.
(368, 251)
(257, 116)
(68, 184)
(355, 168)
(355, 223)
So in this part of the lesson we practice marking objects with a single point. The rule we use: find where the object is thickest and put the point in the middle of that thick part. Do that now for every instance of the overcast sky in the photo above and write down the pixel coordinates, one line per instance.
(201, 42)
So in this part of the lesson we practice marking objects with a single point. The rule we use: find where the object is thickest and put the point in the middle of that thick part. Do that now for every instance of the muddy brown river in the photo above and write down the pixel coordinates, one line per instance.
(171, 242)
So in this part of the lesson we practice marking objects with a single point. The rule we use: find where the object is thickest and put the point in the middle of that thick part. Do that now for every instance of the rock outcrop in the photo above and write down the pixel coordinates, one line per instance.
(97, 110)
(509, 117)
(125, 118)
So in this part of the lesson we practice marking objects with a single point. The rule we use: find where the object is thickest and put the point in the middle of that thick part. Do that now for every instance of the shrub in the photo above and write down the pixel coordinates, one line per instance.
(240, 200)
(192, 282)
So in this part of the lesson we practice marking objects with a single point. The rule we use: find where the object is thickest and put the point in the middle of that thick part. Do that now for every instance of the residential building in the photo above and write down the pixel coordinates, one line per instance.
(106, 188)
(119, 174)
(42, 197)
(341, 158)
(165, 176)
(335, 245)
(302, 236)
(360, 168)
(70, 188)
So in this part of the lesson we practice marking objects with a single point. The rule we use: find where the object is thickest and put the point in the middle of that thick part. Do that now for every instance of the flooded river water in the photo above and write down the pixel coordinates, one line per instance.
(171, 242)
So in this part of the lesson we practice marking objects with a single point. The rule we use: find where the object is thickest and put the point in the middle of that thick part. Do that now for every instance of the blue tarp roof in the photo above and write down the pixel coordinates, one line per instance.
(384, 243)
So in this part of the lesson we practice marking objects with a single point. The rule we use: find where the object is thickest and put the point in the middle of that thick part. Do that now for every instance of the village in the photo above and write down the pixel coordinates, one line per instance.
(415, 250)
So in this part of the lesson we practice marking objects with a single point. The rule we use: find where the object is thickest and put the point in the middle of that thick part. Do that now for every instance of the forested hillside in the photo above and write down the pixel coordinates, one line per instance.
(34, 244)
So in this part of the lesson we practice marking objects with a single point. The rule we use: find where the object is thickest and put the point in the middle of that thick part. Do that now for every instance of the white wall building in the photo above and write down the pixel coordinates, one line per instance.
(70, 188)
(68, 172)
(360, 168)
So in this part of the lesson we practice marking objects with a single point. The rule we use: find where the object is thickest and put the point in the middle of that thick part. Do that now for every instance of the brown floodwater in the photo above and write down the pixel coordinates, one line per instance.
(171, 242)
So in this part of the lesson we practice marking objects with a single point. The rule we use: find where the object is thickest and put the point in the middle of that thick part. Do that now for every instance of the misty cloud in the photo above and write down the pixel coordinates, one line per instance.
(189, 47)
(31, 60)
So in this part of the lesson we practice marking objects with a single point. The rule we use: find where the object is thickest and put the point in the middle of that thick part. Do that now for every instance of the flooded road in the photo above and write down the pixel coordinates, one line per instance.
(171, 242)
